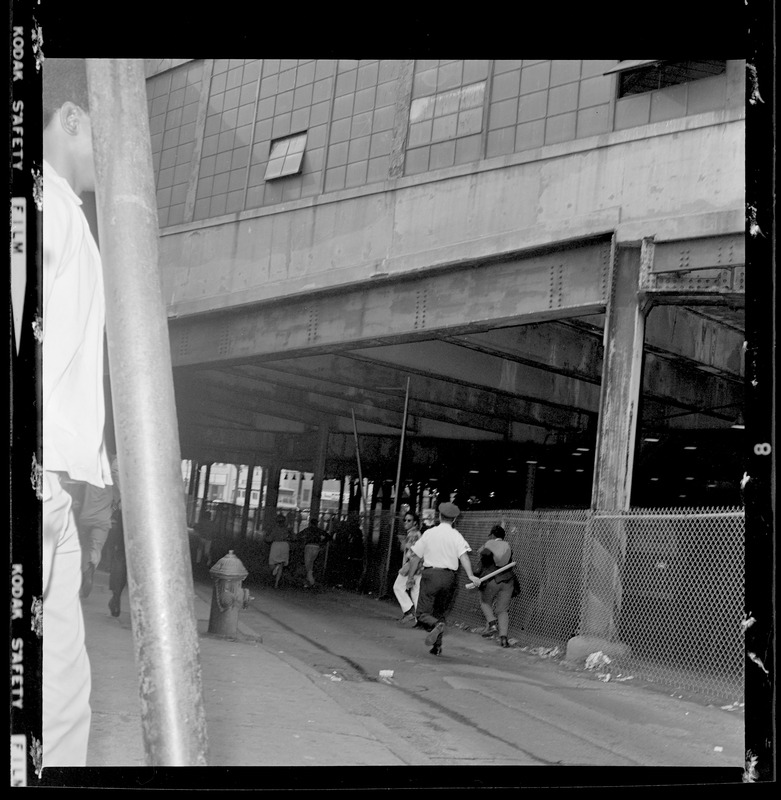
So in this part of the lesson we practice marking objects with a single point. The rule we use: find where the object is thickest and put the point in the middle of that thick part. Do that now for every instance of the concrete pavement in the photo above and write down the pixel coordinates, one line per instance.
(264, 708)
(292, 722)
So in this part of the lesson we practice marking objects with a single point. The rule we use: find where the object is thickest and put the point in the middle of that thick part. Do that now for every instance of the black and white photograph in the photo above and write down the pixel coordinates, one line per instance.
(376, 413)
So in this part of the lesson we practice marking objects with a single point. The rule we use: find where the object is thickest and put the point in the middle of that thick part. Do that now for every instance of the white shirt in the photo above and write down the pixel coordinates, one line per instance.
(441, 546)
(73, 322)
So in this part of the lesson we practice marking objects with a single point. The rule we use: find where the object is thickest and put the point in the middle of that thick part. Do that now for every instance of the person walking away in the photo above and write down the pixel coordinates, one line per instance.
(94, 522)
(279, 553)
(115, 548)
(73, 402)
(496, 592)
(441, 549)
(314, 538)
(355, 553)
(408, 598)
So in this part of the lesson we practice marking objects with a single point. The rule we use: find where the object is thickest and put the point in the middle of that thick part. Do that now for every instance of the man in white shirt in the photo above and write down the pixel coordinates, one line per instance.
(73, 401)
(441, 549)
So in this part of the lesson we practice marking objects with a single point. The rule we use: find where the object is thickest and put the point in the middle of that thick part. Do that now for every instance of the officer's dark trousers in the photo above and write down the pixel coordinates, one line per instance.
(437, 590)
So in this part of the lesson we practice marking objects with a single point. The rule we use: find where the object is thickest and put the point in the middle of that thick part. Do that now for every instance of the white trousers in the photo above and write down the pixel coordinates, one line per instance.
(66, 668)
(311, 552)
(400, 590)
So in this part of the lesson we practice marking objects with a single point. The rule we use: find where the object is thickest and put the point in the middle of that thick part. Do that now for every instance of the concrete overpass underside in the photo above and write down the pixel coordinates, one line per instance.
(505, 359)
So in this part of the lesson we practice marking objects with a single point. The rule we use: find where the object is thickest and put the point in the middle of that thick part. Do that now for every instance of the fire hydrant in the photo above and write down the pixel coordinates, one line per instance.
(228, 596)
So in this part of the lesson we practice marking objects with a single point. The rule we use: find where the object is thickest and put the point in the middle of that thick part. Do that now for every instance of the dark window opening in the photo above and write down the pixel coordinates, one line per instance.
(669, 73)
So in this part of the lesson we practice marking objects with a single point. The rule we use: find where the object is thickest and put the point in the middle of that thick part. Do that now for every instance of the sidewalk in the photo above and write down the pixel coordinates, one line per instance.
(260, 709)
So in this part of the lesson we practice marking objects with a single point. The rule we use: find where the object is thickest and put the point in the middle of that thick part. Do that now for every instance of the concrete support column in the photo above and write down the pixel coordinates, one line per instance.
(247, 496)
(272, 495)
(605, 544)
(341, 497)
(259, 512)
(319, 474)
(531, 478)
(205, 496)
(354, 498)
(192, 491)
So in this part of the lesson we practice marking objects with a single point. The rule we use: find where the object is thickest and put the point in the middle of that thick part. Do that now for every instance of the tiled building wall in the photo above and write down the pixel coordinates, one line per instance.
(446, 114)
(707, 94)
(362, 123)
(173, 99)
(459, 112)
(536, 103)
(227, 137)
(294, 96)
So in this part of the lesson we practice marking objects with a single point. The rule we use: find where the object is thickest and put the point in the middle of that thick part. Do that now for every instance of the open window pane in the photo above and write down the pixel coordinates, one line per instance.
(286, 156)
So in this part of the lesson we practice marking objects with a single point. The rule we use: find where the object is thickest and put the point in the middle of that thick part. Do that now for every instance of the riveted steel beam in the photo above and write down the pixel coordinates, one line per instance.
(459, 298)
(468, 368)
(706, 270)
(433, 397)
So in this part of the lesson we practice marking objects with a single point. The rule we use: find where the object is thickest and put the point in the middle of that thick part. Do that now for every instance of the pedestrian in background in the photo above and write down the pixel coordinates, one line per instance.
(441, 549)
(314, 538)
(279, 553)
(73, 401)
(115, 550)
(94, 522)
(408, 597)
(355, 551)
(496, 592)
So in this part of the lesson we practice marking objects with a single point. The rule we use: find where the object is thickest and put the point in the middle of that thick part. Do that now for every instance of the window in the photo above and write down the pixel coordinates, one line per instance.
(447, 115)
(286, 156)
(634, 79)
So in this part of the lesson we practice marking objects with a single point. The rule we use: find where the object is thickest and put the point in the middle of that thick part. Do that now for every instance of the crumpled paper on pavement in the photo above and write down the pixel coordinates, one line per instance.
(599, 661)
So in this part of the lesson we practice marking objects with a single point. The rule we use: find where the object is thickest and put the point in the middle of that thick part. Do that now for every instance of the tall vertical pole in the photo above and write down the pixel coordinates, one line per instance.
(358, 458)
(397, 496)
(158, 554)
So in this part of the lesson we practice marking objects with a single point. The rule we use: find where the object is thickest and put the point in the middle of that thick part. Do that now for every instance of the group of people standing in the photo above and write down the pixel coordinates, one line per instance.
(426, 583)
(279, 538)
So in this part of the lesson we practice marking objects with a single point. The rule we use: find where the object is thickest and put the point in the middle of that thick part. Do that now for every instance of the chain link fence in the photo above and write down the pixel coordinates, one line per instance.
(670, 582)
(666, 583)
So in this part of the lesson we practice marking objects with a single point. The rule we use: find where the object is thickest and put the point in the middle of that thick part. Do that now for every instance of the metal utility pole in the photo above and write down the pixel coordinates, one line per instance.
(158, 556)
(397, 496)
(358, 459)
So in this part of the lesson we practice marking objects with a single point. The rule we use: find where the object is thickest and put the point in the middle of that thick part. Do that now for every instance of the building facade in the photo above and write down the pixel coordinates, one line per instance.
(547, 255)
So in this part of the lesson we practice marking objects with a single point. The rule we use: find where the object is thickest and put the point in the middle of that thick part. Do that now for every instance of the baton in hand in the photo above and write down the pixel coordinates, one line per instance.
(484, 578)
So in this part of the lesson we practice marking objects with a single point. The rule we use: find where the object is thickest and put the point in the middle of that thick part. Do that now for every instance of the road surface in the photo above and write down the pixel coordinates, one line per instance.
(478, 703)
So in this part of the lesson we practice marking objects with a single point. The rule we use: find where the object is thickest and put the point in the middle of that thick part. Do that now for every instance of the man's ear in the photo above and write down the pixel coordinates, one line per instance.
(70, 118)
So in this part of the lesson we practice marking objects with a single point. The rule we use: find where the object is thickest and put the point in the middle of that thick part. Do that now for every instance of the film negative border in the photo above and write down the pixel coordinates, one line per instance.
(25, 650)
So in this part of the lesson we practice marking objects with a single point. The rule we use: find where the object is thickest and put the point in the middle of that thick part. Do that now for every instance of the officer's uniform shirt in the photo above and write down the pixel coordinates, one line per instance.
(441, 547)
